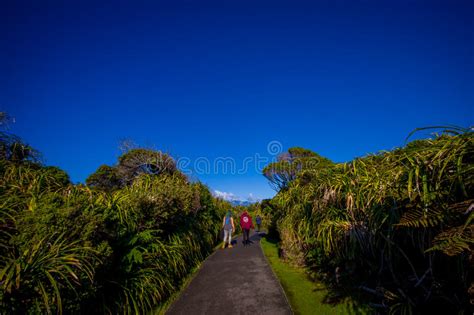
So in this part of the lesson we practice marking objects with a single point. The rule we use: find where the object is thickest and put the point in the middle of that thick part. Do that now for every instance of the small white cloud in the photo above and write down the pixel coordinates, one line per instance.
(225, 195)
(228, 196)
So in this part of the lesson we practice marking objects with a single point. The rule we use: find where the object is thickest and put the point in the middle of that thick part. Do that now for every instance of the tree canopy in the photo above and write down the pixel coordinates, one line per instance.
(289, 164)
(130, 166)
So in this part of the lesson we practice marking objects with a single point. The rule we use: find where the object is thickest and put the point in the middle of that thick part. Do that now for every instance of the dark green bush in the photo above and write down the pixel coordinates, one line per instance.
(393, 228)
(112, 248)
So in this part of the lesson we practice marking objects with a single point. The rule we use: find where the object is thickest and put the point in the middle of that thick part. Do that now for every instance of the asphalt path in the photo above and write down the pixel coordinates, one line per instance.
(234, 280)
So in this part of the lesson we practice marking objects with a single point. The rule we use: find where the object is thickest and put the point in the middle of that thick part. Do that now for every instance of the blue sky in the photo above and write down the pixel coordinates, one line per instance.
(206, 80)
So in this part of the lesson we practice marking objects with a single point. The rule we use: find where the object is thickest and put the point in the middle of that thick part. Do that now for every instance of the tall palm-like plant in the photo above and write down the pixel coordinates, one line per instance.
(37, 274)
(389, 220)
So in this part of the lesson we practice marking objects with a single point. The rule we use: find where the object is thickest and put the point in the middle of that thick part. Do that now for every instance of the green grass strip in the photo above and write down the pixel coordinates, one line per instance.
(304, 295)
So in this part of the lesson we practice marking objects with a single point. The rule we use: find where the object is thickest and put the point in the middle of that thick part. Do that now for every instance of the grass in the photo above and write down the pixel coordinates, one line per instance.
(304, 295)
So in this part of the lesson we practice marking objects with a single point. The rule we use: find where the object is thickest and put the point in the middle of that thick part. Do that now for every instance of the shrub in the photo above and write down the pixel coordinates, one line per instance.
(103, 249)
(396, 225)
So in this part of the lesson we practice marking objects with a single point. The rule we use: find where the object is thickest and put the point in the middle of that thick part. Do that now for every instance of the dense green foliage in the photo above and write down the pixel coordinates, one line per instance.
(395, 227)
(392, 230)
(122, 245)
(130, 165)
(282, 172)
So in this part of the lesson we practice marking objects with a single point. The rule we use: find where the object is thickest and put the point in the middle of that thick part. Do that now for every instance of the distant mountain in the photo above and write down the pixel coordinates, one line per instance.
(235, 200)
(244, 203)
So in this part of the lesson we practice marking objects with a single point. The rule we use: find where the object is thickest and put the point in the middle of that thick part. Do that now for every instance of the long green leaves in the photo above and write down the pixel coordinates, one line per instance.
(50, 265)
(394, 220)
(74, 249)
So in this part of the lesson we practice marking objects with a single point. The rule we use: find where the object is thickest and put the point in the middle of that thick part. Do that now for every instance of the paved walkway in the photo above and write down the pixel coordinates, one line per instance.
(234, 281)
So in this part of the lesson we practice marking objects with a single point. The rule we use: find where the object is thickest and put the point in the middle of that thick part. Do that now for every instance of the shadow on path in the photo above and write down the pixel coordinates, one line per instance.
(234, 281)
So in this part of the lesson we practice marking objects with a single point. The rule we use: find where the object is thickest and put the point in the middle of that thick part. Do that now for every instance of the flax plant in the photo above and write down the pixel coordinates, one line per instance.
(389, 224)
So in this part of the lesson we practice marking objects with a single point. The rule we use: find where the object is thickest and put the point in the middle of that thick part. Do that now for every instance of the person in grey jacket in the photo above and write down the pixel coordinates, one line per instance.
(229, 228)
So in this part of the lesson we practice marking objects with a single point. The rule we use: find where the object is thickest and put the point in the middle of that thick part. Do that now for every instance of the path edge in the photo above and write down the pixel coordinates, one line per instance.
(276, 277)
(193, 275)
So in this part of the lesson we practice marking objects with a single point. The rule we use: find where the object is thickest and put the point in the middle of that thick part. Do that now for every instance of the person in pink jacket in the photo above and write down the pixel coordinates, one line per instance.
(246, 224)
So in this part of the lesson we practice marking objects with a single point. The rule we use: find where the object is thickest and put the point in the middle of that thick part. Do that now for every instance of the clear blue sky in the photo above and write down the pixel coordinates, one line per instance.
(224, 78)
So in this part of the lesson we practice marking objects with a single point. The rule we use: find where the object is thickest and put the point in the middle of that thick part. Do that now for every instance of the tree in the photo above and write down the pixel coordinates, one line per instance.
(144, 161)
(11, 147)
(290, 164)
(59, 176)
(104, 178)
(5, 120)
(14, 150)
(131, 165)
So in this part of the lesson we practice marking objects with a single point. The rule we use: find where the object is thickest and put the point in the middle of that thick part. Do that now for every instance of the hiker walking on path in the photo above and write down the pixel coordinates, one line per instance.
(224, 285)
(258, 220)
(228, 226)
(246, 224)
